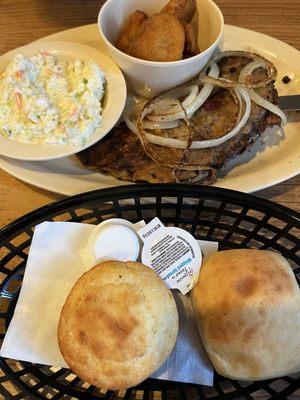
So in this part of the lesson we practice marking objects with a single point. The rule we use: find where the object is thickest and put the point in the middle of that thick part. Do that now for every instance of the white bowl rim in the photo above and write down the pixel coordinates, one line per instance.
(163, 64)
(64, 151)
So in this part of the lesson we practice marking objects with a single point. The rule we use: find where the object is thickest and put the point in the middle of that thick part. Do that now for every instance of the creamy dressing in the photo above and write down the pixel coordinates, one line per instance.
(45, 100)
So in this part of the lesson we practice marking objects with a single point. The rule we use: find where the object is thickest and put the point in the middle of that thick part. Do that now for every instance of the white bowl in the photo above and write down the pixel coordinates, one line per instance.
(148, 78)
(113, 103)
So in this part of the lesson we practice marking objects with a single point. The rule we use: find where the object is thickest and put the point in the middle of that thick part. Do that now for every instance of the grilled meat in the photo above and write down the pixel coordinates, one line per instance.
(121, 154)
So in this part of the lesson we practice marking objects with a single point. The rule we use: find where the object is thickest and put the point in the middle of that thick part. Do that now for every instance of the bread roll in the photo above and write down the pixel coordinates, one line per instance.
(118, 325)
(247, 308)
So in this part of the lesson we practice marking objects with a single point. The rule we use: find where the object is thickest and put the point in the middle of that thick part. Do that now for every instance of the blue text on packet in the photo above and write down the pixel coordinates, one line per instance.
(177, 269)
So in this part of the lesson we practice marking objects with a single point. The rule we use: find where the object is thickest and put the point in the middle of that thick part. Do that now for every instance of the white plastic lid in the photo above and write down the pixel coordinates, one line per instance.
(114, 239)
(116, 242)
(172, 253)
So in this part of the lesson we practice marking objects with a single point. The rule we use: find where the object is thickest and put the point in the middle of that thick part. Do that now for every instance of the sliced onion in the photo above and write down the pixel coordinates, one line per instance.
(220, 82)
(148, 148)
(130, 116)
(131, 124)
(205, 92)
(190, 91)
(130, 119)
(200, 99)
(179, 91)
(240, 115)
(167, 117)
(177, 166)
(161, 125)
(267, 65)
(167, 112)
(202, 144)
(153, 154)
(235, 53)
(164, 141)
(259, 100)
(176, 93)
(191, 97)
(248, 70)
(165, 106)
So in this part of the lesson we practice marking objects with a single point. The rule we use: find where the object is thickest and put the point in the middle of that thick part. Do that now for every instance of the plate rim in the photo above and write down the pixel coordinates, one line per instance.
(92, 38)
(116, 78)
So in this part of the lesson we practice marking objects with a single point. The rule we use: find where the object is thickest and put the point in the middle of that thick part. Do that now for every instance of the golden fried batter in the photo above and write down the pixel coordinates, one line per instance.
(191, 46)
(131, 29)
(184, 10)
(160, 39)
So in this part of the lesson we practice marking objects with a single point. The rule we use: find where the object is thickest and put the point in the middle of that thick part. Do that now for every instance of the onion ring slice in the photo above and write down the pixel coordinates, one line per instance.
(266, 64)
(167, 112)
(201, 171)
(248, 71)
(156, 157)
(191, 97)
(192, 107)
(260, 101)
(240, 122)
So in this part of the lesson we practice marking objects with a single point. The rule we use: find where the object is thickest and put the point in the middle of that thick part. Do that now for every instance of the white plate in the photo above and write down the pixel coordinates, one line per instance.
(113, 105)
(276, 159)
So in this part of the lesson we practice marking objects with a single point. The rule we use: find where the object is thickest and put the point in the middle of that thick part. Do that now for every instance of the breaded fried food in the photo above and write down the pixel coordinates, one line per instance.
(191, 46)
(131, 29)
(184, 10)
(161, 38)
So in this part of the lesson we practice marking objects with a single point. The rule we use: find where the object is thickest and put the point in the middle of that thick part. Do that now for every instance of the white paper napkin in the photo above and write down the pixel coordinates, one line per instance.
(54, 265)
(188, 361)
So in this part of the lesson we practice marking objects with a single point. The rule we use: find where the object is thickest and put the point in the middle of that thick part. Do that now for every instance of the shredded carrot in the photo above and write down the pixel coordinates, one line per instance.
(18, 97)
(50, 72)
(20, 74)
(44, 53)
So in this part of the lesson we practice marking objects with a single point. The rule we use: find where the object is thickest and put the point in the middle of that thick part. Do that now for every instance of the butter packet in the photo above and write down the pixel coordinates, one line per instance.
(173, 253)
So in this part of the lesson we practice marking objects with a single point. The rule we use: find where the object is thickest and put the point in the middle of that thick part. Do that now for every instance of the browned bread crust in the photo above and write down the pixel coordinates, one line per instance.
(246, 305)
(118, 325)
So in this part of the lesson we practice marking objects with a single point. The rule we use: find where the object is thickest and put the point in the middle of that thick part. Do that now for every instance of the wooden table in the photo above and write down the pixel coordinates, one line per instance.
(22, 21)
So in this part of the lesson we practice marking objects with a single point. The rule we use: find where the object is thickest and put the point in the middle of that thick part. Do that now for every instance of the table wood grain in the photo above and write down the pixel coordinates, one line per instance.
(22, 21)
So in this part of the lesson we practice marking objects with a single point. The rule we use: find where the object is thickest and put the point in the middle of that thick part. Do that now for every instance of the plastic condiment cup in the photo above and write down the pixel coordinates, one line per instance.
(114, 239)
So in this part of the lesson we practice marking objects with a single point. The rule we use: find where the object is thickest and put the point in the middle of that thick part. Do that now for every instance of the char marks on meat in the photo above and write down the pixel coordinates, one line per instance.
(121, 154)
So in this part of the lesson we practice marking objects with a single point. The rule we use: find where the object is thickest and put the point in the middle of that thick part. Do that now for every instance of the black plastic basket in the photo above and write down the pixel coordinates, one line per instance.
(234, 219)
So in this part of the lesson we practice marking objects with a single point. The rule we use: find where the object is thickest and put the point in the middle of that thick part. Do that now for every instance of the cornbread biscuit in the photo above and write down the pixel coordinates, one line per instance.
(247, 308)
(118, 325)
